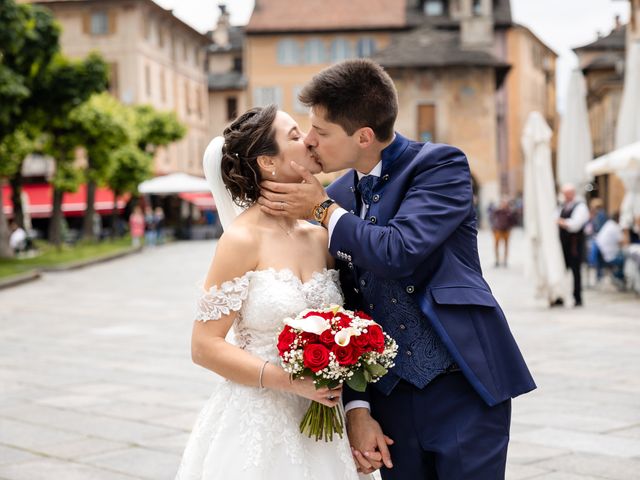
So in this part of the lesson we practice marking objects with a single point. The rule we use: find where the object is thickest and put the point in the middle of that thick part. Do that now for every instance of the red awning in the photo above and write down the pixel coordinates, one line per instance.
(202, 200)
(40, 196)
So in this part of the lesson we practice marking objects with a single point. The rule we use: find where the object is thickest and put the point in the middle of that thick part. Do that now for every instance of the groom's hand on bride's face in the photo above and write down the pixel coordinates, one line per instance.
(293, 200)
(369, 443)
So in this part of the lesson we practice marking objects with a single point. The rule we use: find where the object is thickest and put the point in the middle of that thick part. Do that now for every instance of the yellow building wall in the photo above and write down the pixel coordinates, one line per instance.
(262, 68)
(149, 52)
(464, 99)
(530, 86)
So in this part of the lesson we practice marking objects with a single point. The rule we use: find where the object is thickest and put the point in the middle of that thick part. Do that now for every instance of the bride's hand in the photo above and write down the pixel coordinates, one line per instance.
(305, 388)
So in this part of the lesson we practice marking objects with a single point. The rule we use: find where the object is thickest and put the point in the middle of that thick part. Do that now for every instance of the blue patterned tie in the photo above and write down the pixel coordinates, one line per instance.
(365, 188)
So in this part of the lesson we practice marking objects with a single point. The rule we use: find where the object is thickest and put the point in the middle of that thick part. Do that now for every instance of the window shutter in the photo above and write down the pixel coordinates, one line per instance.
(113, 20)
(86, 22)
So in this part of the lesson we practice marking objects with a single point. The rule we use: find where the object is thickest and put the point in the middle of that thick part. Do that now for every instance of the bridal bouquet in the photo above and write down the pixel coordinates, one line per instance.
(334, 346)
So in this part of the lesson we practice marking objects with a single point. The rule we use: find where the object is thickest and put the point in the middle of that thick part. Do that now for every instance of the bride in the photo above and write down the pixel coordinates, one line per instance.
(264, 270)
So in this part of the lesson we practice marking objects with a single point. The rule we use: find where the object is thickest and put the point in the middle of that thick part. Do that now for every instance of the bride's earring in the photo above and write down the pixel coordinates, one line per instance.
(273, 173)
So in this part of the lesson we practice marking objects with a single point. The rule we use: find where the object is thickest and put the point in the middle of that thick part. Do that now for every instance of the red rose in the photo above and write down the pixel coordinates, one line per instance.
(308, 337)
(348, 355)
(363, 315)
(376, 337)
(315, 356)
(326, 337)
(285, 339)
(343, 320)
(361, 341)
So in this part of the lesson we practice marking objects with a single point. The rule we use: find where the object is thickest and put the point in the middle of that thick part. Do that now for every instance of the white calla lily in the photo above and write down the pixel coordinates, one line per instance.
(311, 324)
(343, 337)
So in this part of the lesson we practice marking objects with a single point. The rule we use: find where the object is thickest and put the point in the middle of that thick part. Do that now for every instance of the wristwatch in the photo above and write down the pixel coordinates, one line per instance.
(320, 211)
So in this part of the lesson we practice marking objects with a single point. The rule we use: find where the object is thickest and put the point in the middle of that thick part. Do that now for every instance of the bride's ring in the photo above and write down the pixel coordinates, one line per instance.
(281, 205)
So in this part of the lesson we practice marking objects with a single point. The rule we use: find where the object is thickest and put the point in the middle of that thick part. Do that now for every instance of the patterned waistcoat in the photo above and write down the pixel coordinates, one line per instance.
(421, 354)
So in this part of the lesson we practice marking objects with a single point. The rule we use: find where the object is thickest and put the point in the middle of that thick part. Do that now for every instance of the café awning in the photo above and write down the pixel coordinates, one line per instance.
(39, 201)
(174, 183)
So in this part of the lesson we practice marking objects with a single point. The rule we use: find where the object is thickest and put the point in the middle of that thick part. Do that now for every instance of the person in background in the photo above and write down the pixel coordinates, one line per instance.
(502, 220)
(17, 237)
(150, 233)
(158, 218)
(572, 218)
(597, 218)
(136, 226)
(608, 243)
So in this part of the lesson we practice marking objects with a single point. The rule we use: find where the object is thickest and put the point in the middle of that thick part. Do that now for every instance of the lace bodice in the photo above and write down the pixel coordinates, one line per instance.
(263, 299)
(245, 432)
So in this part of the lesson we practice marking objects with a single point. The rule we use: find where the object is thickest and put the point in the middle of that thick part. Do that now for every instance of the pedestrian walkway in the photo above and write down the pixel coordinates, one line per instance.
(96, 380)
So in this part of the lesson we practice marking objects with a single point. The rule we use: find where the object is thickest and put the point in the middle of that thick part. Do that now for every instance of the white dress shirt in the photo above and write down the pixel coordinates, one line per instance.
(578, 219)
(608, 240)
(337, 214)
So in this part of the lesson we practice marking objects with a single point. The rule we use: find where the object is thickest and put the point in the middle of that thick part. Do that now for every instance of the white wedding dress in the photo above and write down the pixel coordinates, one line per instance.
(248, 433)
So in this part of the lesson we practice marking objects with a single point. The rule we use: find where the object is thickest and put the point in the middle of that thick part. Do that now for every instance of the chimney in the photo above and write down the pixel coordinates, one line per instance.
(618, 23)
(221, 32)
(476, 24)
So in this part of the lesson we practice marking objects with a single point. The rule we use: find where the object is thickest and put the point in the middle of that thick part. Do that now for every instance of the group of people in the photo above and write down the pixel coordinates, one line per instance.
(394, 237)
(589, 234)
(147, 224)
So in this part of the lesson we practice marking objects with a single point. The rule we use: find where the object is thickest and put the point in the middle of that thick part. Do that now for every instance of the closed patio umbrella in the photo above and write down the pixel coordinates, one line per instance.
(574, 139)
(545, 264)
(628, 132)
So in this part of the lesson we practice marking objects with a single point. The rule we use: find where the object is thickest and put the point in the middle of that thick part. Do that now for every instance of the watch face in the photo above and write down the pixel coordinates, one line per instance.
(318, 212)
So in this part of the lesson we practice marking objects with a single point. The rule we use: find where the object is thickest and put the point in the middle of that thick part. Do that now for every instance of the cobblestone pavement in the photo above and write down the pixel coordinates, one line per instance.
(96, 380)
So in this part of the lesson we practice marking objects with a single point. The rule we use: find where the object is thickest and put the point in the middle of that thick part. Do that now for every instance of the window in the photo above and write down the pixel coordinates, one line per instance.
(163, 86)
(314, 51)
(147, 80)
(366, 47)
(99, 23)
(113, 79)
(232, 108)
(187, 98)
(288, 52)
(477, 7)
(298, 106)
(433, 8)
(263, 96)
(198, 97)
(237, 64)
(340, 50)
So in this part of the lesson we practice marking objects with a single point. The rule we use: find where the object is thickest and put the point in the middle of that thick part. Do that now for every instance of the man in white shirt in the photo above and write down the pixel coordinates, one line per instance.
(609, 241)
(17, 238)
(573, 217)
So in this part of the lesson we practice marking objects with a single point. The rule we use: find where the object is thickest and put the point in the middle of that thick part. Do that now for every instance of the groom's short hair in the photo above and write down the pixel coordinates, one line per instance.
(355, 94)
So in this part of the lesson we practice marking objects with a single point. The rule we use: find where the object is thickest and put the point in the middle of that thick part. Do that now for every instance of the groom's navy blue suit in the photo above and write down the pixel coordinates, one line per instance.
(413, 264)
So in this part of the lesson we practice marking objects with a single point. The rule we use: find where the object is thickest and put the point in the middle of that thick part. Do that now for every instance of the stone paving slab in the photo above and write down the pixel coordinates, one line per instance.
(96, 379)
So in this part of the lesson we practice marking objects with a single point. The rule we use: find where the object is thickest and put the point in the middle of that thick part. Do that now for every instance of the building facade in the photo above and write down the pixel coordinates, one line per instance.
(227, 82)
(154, 58)
(602, 63)
(465, 73)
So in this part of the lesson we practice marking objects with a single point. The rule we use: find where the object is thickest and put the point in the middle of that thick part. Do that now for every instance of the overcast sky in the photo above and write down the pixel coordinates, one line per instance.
(561, 24)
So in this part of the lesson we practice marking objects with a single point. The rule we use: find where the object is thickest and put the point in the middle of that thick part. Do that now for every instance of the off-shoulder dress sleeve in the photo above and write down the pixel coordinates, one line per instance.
(222, 300)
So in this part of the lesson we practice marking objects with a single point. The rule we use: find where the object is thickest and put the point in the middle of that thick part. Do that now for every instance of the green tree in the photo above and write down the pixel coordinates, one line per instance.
(13, 148)
(28, 42)
(67, 86)
(156, 129)
(104, 126)
(130, 167)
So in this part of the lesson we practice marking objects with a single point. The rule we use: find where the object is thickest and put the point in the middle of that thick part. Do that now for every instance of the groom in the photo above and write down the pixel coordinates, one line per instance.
(402, 227)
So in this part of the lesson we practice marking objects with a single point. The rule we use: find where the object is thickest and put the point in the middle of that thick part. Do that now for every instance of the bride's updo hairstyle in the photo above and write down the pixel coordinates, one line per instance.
(249, 136)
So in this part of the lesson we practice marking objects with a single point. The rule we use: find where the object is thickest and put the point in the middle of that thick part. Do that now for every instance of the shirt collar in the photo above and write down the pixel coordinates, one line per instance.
(388, 152)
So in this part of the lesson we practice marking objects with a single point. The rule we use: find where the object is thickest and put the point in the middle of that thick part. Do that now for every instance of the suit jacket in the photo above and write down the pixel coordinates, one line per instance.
(420, 230)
